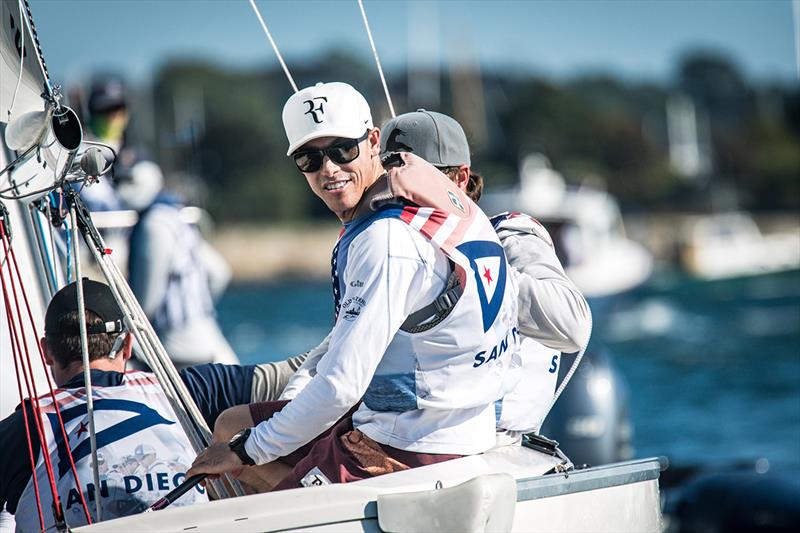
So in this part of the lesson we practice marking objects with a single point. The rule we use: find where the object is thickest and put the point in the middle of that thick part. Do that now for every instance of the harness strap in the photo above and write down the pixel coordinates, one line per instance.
(436, 311)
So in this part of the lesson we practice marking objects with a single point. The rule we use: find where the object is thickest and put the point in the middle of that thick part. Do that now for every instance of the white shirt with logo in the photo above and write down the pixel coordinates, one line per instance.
(554, 317)
(430, 392)
(142, 453)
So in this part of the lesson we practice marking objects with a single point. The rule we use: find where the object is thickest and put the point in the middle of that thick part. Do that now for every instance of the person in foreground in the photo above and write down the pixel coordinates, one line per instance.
(142, 452)
(403, 382)
(554, 317)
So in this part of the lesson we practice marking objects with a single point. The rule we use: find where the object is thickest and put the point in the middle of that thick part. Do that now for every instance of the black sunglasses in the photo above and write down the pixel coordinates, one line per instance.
(340, 153)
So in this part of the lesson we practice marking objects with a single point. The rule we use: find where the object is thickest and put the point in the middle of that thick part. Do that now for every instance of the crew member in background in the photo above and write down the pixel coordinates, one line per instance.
(554, 317)
(174, 272)
(108, 120)
(418, 380)
(155, 446)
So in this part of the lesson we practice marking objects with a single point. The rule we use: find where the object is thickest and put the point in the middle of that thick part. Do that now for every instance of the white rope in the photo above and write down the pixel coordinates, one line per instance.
(569, 375)
(87, 374)
(375, 55)
(796, 17)
(155, 355)
(274, 46)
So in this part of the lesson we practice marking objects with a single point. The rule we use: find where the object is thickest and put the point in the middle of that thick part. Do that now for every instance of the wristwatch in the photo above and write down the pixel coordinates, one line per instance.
(236, 444)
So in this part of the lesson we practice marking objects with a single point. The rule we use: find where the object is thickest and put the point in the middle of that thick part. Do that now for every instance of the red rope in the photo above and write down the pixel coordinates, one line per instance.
(28, 373)
(14, 351)
(52, 393)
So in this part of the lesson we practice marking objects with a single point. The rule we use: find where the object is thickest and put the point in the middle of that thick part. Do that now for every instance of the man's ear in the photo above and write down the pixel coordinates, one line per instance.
(374, 139)
(463, 177)
(127, 346)
(122, 345)
(47, 357)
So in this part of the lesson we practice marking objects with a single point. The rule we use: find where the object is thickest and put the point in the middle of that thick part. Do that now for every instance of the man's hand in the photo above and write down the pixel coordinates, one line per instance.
(215, 460)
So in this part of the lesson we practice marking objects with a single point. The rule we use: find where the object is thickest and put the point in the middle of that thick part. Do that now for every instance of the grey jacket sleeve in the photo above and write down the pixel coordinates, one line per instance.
(270, 379)
(552, 310)
(284, 379)
(307, 370)
(218, 270)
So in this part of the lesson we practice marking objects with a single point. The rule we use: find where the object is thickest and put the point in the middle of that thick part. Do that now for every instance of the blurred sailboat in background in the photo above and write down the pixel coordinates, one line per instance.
(727, 242)
(727, 245)
(585, 224)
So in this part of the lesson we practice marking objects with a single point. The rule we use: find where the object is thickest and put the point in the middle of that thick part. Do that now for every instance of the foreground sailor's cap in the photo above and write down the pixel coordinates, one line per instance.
(97, 297)
(325, 110)
(436, 138)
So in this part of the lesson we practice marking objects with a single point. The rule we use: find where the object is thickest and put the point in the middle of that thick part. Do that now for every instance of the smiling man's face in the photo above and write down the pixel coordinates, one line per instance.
(341, 186)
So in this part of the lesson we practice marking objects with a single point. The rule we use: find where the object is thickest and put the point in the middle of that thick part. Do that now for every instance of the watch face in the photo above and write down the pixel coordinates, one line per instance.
(236, 444)
(236, 437)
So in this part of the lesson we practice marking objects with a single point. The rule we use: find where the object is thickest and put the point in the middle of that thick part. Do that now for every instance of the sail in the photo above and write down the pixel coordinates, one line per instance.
(21, 82)
(20, 88)
(30, 268)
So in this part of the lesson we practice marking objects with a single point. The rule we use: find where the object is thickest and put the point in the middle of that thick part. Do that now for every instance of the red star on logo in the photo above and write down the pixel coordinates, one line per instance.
(82, 429)
(487, 274)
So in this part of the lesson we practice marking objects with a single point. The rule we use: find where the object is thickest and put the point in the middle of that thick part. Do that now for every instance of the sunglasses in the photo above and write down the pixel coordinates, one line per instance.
(340, 153)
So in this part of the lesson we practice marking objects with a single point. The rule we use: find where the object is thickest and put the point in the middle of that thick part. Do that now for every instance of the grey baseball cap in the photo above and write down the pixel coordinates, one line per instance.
(436, 138)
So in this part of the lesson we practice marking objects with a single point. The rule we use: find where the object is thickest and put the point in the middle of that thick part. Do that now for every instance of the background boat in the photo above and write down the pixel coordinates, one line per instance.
(729, 245)
(585, 224)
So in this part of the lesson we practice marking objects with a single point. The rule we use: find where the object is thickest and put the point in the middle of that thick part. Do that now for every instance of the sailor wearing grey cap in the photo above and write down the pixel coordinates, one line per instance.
(554, 316)
(439, 140)
(402, 382)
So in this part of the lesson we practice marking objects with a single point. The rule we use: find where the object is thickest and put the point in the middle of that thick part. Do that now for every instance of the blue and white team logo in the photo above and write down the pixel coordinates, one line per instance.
(141, 417)
(487, 260)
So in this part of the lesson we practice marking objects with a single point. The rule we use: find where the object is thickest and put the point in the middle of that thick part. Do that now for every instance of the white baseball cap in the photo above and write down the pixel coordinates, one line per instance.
(325, 110)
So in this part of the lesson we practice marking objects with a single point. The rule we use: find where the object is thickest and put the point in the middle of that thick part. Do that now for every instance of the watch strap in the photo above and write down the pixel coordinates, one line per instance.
(237, 446)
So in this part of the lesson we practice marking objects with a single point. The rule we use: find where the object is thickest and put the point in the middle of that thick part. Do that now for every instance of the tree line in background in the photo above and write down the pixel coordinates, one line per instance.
(223, 128)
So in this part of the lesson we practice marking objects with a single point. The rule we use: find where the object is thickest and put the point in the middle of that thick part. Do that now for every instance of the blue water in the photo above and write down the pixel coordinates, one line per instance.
(713, 368)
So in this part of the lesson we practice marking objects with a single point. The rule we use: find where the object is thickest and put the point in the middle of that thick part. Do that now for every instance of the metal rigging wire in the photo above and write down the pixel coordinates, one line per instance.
(375, 55)
(274, 46)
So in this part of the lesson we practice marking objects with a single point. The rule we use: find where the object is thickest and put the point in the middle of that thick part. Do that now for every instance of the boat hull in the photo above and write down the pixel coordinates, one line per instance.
(619, 497)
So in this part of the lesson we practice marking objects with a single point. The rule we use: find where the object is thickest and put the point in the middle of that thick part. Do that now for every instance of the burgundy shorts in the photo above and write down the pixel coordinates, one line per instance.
(341, 454)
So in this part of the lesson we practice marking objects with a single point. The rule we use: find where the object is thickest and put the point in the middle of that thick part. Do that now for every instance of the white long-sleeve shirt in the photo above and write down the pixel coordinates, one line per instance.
(554, 317)
(173, 267)
(392, 271)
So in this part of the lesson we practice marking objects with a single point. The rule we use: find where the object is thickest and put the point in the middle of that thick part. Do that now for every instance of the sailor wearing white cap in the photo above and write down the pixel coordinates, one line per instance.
(418, 373)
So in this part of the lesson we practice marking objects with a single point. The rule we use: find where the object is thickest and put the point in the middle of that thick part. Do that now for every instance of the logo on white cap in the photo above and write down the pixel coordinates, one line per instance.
(318, 109)
(325, 110)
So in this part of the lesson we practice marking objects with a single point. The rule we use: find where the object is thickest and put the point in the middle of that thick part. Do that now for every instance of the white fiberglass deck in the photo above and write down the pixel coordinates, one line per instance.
(620, 497)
